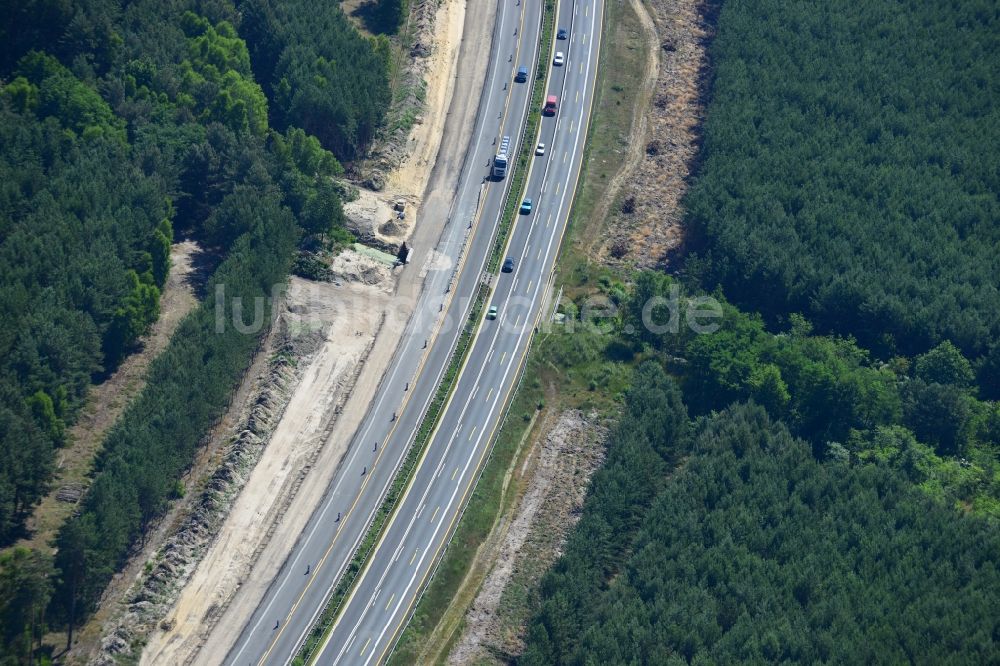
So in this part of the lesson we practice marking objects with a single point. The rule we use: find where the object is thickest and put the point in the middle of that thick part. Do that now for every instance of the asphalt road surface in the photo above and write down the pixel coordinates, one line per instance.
(321, 553)
(387, 590)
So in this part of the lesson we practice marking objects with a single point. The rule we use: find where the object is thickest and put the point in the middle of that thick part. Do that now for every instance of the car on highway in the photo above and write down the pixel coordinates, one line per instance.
(508, 265)
(540, 149)
(522, 74)
(526, 207)
(562, 34)
(559, 59)
(551, 106)
(492, 312)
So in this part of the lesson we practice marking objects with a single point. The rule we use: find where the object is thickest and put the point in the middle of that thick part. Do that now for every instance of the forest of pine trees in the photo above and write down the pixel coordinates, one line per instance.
(835, 495)
(752, 551)
(123, 127)
(848, 170)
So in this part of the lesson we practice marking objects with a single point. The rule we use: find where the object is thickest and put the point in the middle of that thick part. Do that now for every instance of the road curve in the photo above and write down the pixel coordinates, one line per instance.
(387, 590)
(324, 549)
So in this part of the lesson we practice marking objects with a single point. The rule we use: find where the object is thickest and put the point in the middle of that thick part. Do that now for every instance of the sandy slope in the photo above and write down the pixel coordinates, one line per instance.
(317, 425)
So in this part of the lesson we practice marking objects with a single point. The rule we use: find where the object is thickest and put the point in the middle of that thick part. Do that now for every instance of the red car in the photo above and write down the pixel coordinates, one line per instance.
(551, 104)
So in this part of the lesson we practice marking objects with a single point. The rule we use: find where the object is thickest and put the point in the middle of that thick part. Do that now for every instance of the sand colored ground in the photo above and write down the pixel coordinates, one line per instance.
(252, 545)
(106, 401)
(372, 216)
(561, 464)
(664, 144)
(411, 178)
(349, 316)
(636, 149)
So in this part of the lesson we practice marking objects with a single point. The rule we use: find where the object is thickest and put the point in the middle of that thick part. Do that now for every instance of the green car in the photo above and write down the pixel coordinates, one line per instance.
(492, 312)
(526, 207)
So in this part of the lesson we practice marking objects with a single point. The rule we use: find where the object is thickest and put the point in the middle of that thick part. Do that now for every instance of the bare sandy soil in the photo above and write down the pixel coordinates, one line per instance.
(371, 216)
(326, 408)
(348, 318)
(425, 138)
(106, 401)
(665, 137)
(559, 469)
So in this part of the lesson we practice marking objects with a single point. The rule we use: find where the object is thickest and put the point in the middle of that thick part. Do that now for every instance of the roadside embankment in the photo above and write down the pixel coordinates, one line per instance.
(327, 395)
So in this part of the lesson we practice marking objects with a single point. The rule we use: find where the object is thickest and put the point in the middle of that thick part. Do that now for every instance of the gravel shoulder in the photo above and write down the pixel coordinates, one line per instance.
(522, 548)
(320, 401)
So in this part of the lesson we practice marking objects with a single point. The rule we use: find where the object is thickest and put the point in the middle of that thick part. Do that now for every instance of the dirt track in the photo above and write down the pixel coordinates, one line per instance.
(106, 401)
(664, 138)
(566, 455)
(279, 495)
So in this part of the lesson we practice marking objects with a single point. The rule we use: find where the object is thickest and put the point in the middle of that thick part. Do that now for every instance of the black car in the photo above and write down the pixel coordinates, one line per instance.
(508, 265)
(562, 34)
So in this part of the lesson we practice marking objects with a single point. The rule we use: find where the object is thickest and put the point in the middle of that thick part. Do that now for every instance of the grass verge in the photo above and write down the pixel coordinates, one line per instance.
(326, 620)
(526, 149)
(573, 365)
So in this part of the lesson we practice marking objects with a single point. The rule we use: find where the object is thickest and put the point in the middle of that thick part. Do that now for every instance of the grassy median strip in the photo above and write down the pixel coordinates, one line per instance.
(326, 620)
(526, 148)
(346, 583)
(560, 371)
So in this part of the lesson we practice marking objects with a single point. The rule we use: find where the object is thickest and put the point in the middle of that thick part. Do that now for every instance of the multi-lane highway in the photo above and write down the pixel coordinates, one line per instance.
(332, 534)
(389, 587)
(454, 456)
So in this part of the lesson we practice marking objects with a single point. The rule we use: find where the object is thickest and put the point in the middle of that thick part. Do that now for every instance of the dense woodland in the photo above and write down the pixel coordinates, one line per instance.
(921, 414)
(298, 49)
(847, 181)
(836, 497)
(753, 551)
(124, 126)
(84, 249)
(849, 172)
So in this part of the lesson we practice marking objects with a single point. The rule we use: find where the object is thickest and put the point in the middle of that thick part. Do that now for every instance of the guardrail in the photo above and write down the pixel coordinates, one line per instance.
(331, 610)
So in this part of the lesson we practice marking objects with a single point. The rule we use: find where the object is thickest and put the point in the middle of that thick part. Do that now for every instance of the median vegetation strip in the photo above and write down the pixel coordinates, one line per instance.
(562, 370)
(526, 148)
(346, 583)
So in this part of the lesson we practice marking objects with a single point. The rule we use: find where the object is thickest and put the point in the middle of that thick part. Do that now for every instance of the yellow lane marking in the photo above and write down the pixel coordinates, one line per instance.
(472, 434)
(416, 591)
(479, 212)
(435, 513)
(454, 473)
(365, 647)
(415, 551)
(390, 600)
(423, 580)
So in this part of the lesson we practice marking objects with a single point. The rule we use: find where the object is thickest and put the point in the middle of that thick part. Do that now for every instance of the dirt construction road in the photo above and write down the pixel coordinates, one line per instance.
(253, 543)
